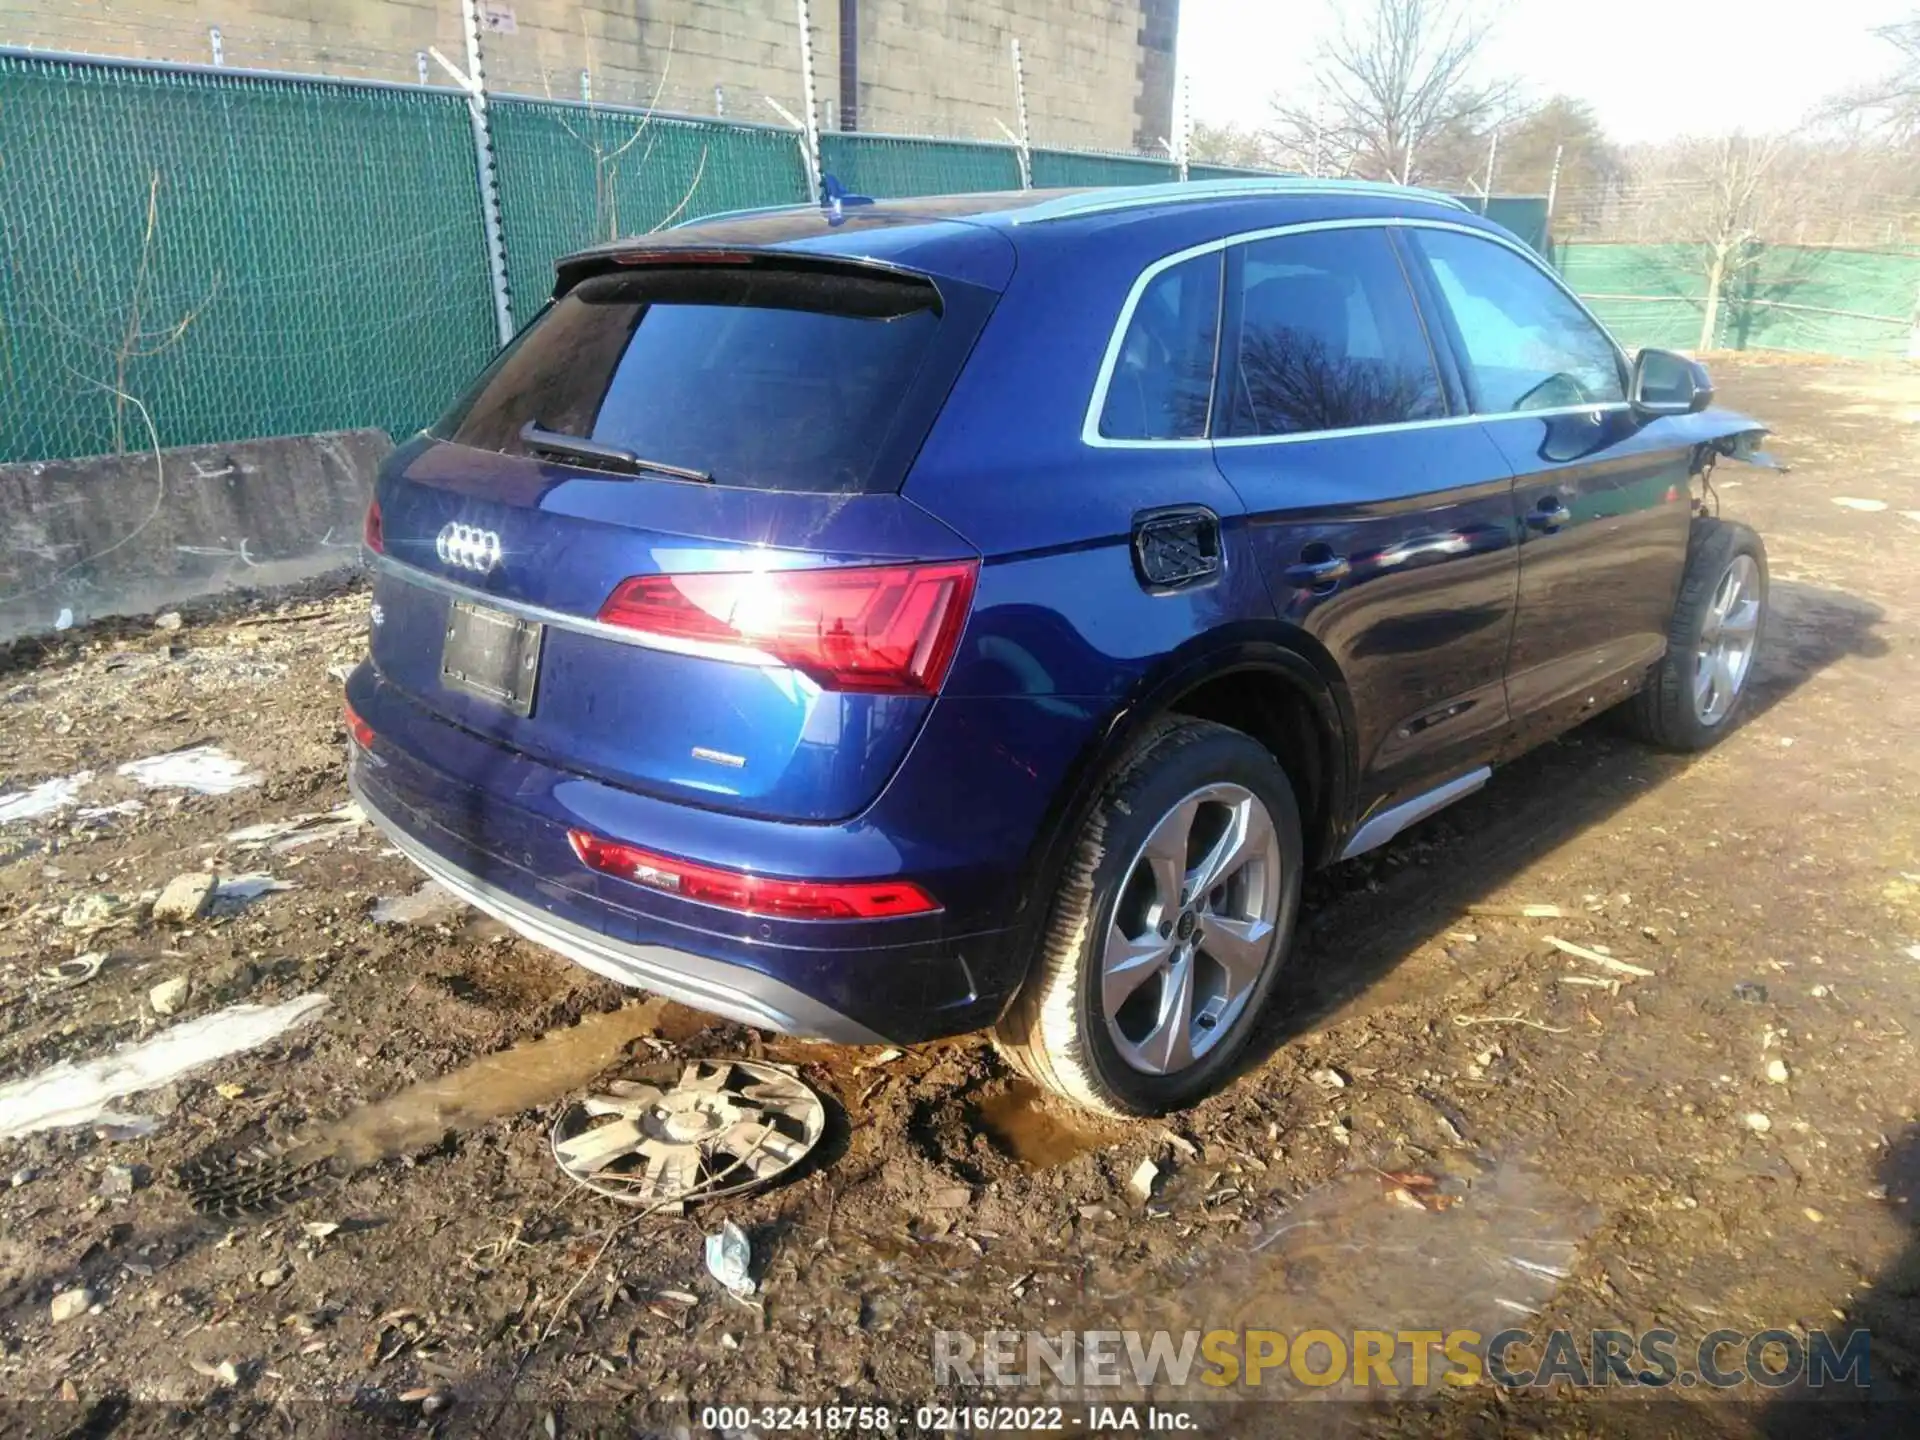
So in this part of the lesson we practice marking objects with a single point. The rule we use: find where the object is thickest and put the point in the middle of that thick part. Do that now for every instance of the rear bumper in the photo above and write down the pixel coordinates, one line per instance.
(713, 986)
(491, 825)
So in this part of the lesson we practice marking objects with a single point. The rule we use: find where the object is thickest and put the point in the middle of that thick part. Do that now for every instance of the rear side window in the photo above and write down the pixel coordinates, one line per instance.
(1330, 338)
(1527, 345)
(1162, 377)
(770, 378)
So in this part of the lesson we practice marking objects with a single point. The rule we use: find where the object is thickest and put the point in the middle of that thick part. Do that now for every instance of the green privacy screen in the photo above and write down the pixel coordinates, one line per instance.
(237, 255)
(1524, 215)
(1052, 168)
(1815, 300)
(572, 176)
(241, 257)
(889, 166)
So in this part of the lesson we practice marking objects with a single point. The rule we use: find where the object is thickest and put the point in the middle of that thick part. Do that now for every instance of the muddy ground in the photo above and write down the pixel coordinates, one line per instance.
(1634, 1135)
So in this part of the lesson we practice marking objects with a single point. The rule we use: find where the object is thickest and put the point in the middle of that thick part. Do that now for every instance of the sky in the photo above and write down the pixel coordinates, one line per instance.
(1650, 68)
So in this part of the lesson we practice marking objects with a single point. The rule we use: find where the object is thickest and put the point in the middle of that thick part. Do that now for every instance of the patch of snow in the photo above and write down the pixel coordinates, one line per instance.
(206, 769)
(84, 1092)
(44, 798)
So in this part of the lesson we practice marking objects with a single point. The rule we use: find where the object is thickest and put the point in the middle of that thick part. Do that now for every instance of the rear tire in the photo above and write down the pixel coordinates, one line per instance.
(1700, 686)
(1141, 998)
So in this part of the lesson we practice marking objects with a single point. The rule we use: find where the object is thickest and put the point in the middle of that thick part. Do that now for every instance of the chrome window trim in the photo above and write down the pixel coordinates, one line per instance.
(561, 620)
(1090, 427)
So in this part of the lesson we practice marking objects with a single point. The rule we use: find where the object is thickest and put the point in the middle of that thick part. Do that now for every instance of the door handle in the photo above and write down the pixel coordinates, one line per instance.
(1316, 574)
(1413, 549)
(1549, 514)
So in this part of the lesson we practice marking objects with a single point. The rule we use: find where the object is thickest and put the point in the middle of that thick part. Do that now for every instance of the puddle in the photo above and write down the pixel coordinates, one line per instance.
(507, 1082)
(1026, 1126)
(1482, 1248)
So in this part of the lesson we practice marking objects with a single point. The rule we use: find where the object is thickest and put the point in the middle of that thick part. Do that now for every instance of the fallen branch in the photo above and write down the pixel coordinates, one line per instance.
(1594, 957)
(1510, 1020)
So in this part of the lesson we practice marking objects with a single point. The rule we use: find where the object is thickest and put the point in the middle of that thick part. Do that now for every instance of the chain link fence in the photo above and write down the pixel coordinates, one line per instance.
(1822, 300)
(1770, 243)
(227, 257)
(196, 254)
(576, 175)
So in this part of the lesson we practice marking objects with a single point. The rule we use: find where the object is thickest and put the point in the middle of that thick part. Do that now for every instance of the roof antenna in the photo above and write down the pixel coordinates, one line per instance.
(834, 197)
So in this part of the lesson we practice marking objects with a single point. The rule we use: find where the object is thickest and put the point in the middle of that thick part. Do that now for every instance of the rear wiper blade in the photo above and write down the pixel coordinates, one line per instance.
(604, 457)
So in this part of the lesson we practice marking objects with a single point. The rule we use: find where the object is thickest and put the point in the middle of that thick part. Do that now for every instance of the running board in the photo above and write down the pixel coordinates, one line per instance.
(1390, 822)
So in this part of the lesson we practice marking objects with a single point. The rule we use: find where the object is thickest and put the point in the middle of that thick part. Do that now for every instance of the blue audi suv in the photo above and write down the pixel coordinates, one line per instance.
(878, 621)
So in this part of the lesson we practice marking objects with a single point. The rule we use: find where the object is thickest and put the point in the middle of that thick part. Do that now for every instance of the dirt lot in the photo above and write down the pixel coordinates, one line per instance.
(1634, 1138)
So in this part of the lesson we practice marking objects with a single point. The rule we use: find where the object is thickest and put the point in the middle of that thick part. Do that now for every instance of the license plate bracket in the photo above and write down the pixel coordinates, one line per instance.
(491, 654)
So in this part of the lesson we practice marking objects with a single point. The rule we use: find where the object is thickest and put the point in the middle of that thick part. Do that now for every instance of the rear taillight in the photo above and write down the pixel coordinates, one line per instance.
(373, 533)
(752, 894)
(887, 629)
(359, 729)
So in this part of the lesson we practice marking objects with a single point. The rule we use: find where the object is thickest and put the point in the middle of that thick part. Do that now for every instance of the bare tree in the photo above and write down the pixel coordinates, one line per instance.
(1724, 197)
(1559, 146)
(1894, 101)
(1395, 90)
(1230, 144)
(608, 152)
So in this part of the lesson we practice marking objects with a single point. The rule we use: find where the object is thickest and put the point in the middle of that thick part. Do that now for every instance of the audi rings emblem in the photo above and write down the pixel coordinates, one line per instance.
(469, 547)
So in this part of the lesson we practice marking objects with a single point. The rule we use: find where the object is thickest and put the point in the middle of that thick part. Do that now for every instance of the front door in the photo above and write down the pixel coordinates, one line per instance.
(1601, 498)
(1382, 518)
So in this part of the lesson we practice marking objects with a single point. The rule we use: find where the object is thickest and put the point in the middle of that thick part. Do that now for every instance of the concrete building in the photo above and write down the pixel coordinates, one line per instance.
(1099, 73)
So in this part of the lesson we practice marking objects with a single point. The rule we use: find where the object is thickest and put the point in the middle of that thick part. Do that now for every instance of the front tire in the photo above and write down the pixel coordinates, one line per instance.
(1174, 917)
(1700, 686)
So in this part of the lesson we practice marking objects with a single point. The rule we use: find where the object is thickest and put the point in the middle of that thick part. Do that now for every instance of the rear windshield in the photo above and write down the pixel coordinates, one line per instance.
(770, 378)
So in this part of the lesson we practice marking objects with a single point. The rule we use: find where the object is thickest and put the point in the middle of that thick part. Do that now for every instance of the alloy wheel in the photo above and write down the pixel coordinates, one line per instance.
(1192, 929)
(1727, 639)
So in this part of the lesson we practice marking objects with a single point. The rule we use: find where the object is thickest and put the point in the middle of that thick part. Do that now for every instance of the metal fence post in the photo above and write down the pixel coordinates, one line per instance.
(1184, 136)
(476, 88)
(1025, 148)
(810, 110)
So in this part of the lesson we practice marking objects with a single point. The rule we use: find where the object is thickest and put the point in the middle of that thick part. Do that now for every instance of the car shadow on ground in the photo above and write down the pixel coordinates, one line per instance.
(1360, 920)
(1888, 1311)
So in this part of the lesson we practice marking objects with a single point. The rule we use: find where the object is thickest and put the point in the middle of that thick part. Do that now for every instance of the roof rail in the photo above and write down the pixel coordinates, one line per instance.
(1133, 197)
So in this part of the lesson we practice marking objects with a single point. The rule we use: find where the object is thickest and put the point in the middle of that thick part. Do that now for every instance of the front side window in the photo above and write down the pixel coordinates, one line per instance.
(1330, 338)
(1162, 376)
(1528, 345)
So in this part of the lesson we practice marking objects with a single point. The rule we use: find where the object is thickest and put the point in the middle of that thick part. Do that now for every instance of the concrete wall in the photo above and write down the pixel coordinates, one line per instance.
(1099, 72)
(129, 534)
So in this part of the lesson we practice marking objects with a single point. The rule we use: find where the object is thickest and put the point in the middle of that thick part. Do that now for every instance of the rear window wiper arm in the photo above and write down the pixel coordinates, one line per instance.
(603, 457)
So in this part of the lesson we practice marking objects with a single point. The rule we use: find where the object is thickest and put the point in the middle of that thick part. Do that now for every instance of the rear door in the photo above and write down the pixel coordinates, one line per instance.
(1382, 516)
(1600, 497)
(661, 541)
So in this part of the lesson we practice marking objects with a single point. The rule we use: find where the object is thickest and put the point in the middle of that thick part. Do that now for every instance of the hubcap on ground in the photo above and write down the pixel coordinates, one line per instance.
(1191, 929)
(1725, 653)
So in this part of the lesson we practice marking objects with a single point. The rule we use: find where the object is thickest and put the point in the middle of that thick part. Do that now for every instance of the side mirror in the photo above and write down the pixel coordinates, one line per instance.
(1668, 384)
